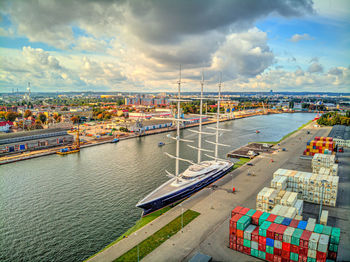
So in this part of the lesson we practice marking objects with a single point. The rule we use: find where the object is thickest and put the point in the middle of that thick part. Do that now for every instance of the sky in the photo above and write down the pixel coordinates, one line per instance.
(138, 46)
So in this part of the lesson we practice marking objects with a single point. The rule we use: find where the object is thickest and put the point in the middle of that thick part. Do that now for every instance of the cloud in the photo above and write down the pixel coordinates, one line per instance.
(315, 67)
(336, 71)
(296, 38)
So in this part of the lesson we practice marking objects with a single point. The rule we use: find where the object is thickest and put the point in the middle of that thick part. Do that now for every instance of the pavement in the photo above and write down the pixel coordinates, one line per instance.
(208, 233)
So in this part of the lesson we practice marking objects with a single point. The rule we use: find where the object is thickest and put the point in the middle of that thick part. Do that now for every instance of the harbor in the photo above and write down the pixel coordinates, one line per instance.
(103, 197)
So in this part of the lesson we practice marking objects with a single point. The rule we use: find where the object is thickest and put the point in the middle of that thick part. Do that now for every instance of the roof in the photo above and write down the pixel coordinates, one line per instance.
(156, 122)
(340, 131)
(30, 133)
(199, 257)
(4, 123)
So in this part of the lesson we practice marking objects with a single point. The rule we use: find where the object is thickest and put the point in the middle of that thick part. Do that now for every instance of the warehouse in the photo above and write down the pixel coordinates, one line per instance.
(341, 135)
(33, 140)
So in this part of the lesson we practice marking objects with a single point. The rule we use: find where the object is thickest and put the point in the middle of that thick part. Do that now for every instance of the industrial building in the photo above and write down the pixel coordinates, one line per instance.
(341, 135)
(33, 140)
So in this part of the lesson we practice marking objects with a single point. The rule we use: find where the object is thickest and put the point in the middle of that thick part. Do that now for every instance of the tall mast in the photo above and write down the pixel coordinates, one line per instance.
(178, 126)
(200, 121)
(217, 121)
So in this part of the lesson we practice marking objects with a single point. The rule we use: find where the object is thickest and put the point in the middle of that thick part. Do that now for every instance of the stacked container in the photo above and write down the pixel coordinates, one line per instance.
(323, 145)
(324, 165)
(310, 187)
(276, 238)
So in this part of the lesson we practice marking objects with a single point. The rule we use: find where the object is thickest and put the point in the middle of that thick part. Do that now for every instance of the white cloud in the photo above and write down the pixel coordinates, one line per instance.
(315, 67)
(296, 38)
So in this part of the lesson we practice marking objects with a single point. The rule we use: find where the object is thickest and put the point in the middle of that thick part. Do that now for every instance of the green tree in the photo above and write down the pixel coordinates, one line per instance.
(10, 116)
(75, 119)
(27, 113)
(42, 117)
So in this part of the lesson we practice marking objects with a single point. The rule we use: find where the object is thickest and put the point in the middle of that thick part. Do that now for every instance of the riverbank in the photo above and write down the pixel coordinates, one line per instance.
(220, 202)
(51, 151)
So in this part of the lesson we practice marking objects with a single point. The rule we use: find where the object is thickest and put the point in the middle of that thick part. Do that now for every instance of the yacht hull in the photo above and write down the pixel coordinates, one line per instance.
(184, 193)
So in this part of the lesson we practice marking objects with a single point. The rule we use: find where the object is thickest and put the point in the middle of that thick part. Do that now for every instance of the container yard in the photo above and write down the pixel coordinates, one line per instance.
(323, 145)
(279, 238)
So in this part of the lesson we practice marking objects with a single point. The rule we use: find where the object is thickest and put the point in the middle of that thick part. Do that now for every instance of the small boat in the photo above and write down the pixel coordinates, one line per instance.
(257, 131)
(67, 150)
(115, 140)
(161, 144)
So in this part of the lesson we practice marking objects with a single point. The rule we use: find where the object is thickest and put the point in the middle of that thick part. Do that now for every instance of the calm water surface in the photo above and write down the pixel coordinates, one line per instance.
(66, 208)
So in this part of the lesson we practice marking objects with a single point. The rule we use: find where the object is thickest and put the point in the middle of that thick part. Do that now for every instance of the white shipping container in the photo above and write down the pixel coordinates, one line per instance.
(311, 253)
(254, 245)
(324, 217)
(277, 244)
(323, 243)
(287, 236)
(313, 241)
(299, 206)
(248, 232)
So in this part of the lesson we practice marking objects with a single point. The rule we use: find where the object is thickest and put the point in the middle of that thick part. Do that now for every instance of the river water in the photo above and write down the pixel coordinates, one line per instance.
(66, 208)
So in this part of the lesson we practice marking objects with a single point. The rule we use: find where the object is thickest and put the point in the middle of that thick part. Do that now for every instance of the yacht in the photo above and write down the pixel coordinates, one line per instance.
(197, 175)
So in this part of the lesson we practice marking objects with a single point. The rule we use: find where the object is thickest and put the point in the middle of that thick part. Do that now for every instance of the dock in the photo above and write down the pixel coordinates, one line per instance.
(251, 150)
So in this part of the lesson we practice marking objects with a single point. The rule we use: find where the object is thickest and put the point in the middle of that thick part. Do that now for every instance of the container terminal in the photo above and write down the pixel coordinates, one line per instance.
(209, 232)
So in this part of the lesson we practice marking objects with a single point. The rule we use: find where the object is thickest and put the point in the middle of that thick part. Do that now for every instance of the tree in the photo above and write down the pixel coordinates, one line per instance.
(57, 117)
(42, 117)
(75, 119)
(2, 114)
(27, 113)
(10, 116)
(37, 125)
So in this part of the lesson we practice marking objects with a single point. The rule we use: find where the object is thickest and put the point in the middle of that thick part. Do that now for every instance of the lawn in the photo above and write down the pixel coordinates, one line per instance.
(155, 240)
(139, 224)
(241, 162)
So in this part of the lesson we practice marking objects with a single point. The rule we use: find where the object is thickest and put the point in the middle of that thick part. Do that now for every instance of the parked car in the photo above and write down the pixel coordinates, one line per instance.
(250, 164)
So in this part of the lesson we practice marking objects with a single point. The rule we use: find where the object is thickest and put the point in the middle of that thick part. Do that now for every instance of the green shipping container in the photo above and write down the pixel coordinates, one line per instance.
(333, 247)
(243, 222)
(327, 230)
(246, 243)
(294, 256)
(263, 217)
(250, 213)
(278, 220)
(262, 254)
(264, 226)
(335, 235)
(254, 252)
(296, 236)
(318, 228)
(269, 249)
(310, 259)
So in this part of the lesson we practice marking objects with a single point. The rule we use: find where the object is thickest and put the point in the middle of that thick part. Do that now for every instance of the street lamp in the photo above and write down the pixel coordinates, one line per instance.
(182, 217)
(322, 195)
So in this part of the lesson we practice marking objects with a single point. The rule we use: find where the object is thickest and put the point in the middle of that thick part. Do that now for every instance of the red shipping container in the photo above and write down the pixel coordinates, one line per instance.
(332, 255)
(302, 258)
(239, 241)
(246, 250)
(285, 254)
(233, 231)
(271, 218)
(234, 219)
(286, 246)
(277, 258)
(255, 217)
(255, 234)
(285, 259)
(277, 251)
(294, 249)
(304, 239)
(262, 240)
(244, 210)
(240, 248)
(270, 232)
(240, 233)
(279, 232)
(294, 223)
(233, 239)
(269, 257)
(261, 247)
(303, 251)
(236, 210)
(321, 255)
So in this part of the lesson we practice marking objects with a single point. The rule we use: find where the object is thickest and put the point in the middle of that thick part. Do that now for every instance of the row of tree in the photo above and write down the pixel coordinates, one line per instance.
(334, 118)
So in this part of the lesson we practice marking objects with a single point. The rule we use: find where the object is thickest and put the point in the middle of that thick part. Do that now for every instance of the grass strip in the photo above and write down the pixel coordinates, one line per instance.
(286, 136)
(241, 162)
(159, 237)
(139, 224)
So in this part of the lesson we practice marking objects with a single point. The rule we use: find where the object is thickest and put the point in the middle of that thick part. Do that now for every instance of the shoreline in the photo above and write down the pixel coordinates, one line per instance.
(51, 151)
(240, 164)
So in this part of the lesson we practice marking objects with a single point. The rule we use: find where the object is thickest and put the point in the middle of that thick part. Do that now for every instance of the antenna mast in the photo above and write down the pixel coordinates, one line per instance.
(200, 121)
(218, 120)
(177, 154)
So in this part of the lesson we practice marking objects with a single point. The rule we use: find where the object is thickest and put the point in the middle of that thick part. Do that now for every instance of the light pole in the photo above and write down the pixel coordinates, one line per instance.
(319, 214)
(182, 218)
(137, 248)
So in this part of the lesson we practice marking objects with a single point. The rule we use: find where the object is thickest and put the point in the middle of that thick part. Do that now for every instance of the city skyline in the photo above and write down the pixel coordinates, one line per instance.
(124, 46)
